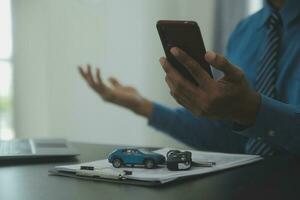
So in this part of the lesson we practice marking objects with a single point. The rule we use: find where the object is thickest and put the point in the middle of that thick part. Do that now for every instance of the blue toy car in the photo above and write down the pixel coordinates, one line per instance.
(134, 157)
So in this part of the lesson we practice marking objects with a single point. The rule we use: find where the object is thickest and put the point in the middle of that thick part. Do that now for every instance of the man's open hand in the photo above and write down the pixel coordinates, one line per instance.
(228, 98)
(117, 93)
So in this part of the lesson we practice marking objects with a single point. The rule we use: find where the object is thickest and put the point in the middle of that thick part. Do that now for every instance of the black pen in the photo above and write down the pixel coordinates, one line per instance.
(203, 164)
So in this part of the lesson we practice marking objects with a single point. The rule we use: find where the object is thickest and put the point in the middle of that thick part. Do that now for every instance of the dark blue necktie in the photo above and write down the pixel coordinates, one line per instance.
(266, 75)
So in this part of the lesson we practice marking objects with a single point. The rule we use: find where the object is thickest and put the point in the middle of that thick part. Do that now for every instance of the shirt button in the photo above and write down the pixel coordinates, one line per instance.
(271, 133)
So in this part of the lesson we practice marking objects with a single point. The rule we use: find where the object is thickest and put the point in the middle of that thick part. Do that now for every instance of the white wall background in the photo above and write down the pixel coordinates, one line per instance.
(52, 37)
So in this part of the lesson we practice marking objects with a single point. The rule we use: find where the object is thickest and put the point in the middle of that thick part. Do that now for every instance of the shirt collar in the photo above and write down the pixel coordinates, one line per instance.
(288, 12)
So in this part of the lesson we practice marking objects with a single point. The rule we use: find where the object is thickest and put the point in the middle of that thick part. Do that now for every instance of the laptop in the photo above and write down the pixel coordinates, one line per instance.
(35, 148)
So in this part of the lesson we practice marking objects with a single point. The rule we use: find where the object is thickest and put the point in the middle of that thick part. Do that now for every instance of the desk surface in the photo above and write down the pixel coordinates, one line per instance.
(273, 178)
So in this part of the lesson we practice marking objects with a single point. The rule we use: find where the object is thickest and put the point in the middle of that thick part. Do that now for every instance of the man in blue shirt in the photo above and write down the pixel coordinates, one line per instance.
(254, 108)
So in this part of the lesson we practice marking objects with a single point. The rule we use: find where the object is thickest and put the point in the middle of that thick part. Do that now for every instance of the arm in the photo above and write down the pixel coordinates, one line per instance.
(277, 123)
(178, 123)
(198, 132)
(232, 99)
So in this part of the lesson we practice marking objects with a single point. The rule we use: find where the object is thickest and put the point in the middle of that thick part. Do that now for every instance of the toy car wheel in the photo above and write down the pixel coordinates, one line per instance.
(117, 162)
(149, 163)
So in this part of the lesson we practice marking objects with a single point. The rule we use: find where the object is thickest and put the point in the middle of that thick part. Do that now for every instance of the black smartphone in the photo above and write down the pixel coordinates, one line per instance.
(187, 36)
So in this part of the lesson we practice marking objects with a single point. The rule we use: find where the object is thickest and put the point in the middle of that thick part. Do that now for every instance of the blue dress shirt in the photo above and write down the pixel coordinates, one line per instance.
(278, 120)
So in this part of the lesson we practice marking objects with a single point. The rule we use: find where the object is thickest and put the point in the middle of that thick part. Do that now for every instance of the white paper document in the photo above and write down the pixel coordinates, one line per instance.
(162, 174)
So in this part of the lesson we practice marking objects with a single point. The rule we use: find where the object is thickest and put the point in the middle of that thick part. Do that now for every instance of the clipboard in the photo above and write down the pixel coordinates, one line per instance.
(156, 176)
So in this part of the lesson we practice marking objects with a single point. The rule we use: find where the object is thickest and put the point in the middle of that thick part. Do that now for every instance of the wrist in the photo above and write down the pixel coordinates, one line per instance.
(144, 108)
(249, 109)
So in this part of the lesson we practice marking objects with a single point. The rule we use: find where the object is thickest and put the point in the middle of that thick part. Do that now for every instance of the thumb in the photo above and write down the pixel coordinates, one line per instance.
(221, 63)
(114, 82)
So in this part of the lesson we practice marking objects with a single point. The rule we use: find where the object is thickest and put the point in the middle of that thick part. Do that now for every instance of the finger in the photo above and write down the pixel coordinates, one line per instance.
(182, 100)
(221, 63)
(100, 86)
(179, 90)
(89, 71)
(85, 75)
(169, 69)
(82, 73)
(114, 82)
(165, 64)
(174, 75)
(198, 73)
(189, 104)
(187, 97)
(179, 83)
(98, 77)
(172, 88)
(89, 76)
(191, 96)
(170, 84)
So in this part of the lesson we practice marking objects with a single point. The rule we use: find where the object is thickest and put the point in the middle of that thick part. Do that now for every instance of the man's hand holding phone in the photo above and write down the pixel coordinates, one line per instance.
(117, 93)
(228, 98)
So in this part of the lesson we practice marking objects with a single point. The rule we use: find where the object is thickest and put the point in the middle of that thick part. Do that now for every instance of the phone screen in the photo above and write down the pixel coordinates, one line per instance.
(187, 36)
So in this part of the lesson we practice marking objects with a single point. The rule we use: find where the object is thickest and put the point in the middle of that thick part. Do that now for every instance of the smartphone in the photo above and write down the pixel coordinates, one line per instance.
(187, 36)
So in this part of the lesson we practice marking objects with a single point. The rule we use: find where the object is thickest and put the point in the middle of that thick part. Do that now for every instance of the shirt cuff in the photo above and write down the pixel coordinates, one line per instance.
(272, 121)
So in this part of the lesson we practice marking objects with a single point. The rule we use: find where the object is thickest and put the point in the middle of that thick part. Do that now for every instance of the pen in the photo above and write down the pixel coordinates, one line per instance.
(203, 164)
(90, 171)
(91, 168)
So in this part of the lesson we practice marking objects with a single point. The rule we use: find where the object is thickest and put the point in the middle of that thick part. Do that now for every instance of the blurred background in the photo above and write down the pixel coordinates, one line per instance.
(43, 41)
